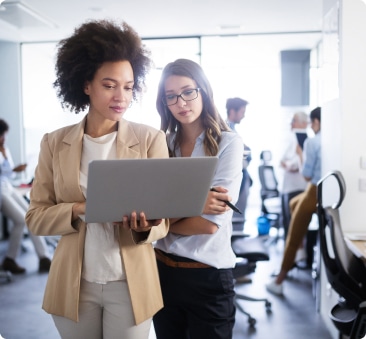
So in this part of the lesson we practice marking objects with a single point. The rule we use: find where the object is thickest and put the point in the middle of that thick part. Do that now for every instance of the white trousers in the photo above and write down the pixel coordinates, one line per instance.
(14, 207)
(105, 311)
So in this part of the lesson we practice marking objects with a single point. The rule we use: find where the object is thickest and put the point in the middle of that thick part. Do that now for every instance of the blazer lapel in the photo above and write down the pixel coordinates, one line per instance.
(126, 141)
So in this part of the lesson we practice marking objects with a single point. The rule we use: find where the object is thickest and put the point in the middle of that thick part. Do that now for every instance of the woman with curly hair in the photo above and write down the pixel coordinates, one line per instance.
(103, 281)
(195, 259)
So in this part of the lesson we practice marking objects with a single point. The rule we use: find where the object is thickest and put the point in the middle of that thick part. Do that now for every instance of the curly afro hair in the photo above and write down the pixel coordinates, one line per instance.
(83, 53)
(4, 127)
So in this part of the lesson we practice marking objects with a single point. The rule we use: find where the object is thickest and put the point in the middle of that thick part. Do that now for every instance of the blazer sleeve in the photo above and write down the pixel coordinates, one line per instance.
(46, 215)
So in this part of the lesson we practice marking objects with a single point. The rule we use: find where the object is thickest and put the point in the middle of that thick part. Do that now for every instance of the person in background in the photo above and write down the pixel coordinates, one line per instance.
(303, 205)
(103, 281)
(195, 259)
(235, 110)
(294, 182)
(14, 207)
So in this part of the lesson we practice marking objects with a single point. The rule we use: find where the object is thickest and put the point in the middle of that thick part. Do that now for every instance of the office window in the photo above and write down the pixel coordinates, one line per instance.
(42, 111)
(247, 67)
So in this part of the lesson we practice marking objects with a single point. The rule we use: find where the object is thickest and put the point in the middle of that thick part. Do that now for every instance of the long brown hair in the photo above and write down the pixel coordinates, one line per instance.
(211, 120)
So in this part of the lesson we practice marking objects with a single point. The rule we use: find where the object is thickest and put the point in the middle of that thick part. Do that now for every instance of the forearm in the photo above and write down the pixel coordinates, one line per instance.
(50, 220)
(193, 226)
(156, 232)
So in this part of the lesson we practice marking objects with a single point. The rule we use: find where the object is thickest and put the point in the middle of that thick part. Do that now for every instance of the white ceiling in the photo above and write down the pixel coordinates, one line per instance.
(56, 19)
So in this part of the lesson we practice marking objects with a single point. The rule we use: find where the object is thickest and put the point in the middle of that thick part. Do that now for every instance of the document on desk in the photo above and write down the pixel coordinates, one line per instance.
(357, 247)
(356, 235)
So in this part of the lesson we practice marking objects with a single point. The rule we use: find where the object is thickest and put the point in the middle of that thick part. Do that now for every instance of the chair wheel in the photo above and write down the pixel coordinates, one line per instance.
(252, 321)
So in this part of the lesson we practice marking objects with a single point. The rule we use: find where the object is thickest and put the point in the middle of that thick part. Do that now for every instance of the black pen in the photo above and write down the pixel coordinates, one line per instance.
(234, 208)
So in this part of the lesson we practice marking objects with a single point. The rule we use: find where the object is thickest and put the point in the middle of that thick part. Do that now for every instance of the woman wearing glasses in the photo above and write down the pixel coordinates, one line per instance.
(195, 260)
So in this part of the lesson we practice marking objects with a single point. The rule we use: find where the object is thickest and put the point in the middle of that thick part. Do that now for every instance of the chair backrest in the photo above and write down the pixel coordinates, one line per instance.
(268, 181)
(345, 272)
(266, 156)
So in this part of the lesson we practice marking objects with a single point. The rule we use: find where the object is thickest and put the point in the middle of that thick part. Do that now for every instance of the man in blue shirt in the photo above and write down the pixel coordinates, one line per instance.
(303, 205)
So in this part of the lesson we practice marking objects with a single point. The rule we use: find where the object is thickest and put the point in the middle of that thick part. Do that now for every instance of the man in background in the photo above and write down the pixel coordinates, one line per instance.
(235, 109)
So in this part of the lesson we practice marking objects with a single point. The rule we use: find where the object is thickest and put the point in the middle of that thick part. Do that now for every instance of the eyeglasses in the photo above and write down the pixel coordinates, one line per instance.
(187, 95)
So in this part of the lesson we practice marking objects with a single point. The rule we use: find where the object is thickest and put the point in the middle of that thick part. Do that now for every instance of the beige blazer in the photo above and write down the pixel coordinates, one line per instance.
(55, 189)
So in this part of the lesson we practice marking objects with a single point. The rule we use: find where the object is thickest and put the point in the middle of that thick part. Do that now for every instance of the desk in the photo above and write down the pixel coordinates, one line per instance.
(358, 247)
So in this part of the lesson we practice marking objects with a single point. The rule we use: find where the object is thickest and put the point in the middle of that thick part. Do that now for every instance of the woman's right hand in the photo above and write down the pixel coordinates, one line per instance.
(78, 209)
(215, 201)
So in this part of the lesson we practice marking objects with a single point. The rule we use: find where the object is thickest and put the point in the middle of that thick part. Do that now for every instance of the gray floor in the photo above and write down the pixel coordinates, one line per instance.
(292, 316)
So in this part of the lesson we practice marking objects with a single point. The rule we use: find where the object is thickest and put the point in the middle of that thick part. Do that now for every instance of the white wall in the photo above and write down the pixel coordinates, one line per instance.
(344, 113)
(344, 116)
(353, 109)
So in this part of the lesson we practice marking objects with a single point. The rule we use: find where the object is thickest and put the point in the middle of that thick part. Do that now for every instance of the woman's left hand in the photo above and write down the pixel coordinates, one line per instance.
(20, 168)
(138, 225)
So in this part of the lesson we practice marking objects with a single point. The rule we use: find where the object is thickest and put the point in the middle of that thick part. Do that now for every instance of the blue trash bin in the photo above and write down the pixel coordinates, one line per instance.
(263, 225)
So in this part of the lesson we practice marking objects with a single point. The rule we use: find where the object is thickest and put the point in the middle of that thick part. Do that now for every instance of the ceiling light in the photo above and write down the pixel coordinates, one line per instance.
(231, 27)
(21, 16)
(96, 9)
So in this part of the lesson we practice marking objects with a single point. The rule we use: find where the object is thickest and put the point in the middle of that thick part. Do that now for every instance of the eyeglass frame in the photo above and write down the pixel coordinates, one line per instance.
(197, 90)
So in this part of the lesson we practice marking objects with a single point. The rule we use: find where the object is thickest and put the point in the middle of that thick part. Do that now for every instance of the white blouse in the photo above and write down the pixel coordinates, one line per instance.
(102, 258)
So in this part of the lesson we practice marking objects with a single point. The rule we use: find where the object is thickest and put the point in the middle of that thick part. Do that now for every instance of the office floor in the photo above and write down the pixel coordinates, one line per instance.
(292, 316)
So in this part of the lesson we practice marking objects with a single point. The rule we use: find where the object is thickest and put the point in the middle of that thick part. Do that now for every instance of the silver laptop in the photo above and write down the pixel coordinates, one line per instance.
(162, 188)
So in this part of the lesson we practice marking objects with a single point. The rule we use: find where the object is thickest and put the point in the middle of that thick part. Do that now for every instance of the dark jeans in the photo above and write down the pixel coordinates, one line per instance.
(198, 303)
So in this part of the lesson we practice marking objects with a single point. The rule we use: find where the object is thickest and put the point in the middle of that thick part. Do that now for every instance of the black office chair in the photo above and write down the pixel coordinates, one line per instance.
(345, 272)
(248, 251)
(270, 195)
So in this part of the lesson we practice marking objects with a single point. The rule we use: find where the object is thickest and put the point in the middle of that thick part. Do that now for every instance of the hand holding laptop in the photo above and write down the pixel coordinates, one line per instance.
(140, 224)
(136, 224)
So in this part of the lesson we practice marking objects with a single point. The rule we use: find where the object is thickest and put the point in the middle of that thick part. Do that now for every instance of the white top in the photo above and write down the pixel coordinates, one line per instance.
(7, 174)
(212, 249)
(293, 180)
(102, 258)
